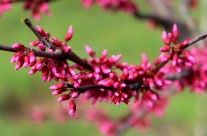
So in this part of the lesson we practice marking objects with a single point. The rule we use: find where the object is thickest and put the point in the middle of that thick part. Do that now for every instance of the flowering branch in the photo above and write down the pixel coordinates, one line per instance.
(83, 89)
(102, 75)
(44, 40)
(105, 77)
(185, 72)
(58, 54)
(37, 7)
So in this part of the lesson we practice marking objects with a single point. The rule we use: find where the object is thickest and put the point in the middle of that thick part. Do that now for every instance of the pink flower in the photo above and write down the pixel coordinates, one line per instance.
(4, 6)
(37, 7)
(69, 35)
(87, 3)
(72, 108)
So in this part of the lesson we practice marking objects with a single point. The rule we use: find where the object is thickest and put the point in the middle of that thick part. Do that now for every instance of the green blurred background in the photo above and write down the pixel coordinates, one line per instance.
(117, 32)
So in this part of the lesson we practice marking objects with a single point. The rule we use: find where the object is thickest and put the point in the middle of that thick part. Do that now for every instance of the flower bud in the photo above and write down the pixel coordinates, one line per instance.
(72, 108)
(69, 35)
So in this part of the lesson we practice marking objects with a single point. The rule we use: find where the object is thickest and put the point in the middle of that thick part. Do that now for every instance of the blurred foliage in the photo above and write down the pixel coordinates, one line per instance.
(117, 32)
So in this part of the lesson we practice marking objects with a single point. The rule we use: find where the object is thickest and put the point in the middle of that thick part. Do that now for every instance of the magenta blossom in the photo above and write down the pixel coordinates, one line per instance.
(4, 6)
(113, 5)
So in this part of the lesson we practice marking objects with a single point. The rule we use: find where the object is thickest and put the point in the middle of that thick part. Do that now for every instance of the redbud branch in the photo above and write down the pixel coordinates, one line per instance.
(71, 56)
(75, 58)
(137, 85)
(193, 41)
(159, 66)
(44, 40)
(56, 55)
(83, 89)
(196, 39)
(183, 74)
(8, 48)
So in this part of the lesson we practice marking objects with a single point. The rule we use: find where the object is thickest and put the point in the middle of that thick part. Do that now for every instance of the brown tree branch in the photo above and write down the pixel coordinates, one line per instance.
(58, 52)
(166, 23)
(196, 39)
(181, 75)
(56, 55)
(44, 40)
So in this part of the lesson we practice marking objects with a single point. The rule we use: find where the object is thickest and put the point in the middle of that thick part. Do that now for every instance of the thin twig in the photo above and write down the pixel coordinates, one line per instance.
(83, 89)
(181, 75)
(196, 39)
(71, 56)
(44, 40)
(167, 23)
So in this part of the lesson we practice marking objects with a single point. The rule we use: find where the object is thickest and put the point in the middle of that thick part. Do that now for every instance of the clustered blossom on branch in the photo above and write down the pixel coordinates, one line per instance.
(177, 53)
(102, 78)
(144, 88)
(113, 5)
(104, 83)
(37, 7)
(196, 77)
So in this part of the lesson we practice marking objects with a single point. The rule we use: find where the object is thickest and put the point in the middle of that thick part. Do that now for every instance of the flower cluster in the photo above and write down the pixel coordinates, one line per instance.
(37, 7)
(4, 6)
(105, 83)
(177, 53)
(196, 77)
(50, 68)
(113, 5)
(106, 78)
